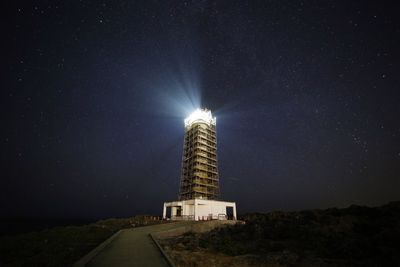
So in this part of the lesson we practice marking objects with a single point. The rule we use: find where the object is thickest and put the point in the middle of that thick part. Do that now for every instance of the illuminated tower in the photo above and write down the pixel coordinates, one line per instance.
(199, 185)
(199, 176)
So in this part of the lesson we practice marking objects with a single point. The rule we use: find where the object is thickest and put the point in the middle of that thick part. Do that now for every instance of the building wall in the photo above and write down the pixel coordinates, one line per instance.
(214, 208)
(198, 209)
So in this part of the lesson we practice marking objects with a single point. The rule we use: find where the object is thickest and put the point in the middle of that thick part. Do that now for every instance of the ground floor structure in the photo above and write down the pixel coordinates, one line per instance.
(199, 209)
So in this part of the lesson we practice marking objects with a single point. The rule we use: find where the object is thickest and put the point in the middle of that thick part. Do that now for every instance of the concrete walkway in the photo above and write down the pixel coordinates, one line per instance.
(133, 247)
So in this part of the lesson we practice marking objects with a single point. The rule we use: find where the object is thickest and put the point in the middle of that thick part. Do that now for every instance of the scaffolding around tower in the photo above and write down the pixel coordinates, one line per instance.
(199, 182)
(199, 175)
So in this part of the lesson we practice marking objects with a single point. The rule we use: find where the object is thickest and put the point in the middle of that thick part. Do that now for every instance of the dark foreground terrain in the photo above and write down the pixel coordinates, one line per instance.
(62, 246)
(354, 236)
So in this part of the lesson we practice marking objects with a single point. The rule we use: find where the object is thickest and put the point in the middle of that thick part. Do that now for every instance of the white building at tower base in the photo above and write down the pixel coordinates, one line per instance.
(199, 209)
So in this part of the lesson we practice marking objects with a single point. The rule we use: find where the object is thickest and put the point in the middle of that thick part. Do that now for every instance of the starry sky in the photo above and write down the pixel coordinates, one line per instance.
(306, 95)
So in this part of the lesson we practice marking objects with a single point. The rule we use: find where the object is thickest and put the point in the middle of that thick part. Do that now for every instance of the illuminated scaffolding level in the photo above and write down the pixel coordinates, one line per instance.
(199, 177)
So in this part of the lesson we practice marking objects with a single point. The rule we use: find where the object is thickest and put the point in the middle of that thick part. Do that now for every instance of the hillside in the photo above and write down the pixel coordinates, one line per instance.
(62, 246)
(353, 236)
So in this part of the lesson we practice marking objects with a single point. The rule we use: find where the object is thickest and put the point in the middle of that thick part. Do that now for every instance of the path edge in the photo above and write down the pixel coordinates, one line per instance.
(168, 259)
(88, 257)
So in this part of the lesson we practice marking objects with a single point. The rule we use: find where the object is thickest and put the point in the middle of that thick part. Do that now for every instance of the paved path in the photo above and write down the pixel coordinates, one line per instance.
(133, 247)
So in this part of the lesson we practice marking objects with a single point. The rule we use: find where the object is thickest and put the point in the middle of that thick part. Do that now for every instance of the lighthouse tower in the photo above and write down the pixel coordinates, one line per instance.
(199, 184)
(199, 177)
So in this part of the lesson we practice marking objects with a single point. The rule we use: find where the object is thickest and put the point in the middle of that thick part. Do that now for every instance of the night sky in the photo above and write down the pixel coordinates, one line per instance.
(306, 95)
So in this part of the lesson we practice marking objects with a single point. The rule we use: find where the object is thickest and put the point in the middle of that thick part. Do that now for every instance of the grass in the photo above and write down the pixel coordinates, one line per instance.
(61, 246)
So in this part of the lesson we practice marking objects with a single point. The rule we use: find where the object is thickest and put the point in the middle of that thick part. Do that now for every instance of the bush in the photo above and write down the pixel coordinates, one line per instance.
(355, 234)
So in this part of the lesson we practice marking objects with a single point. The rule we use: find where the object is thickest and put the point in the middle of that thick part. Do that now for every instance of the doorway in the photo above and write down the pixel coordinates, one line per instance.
(168, 212)
(179, 211)
(229, 213)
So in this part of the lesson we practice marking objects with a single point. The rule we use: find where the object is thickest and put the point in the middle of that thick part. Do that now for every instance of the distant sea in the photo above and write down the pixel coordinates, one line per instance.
(19, 225)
